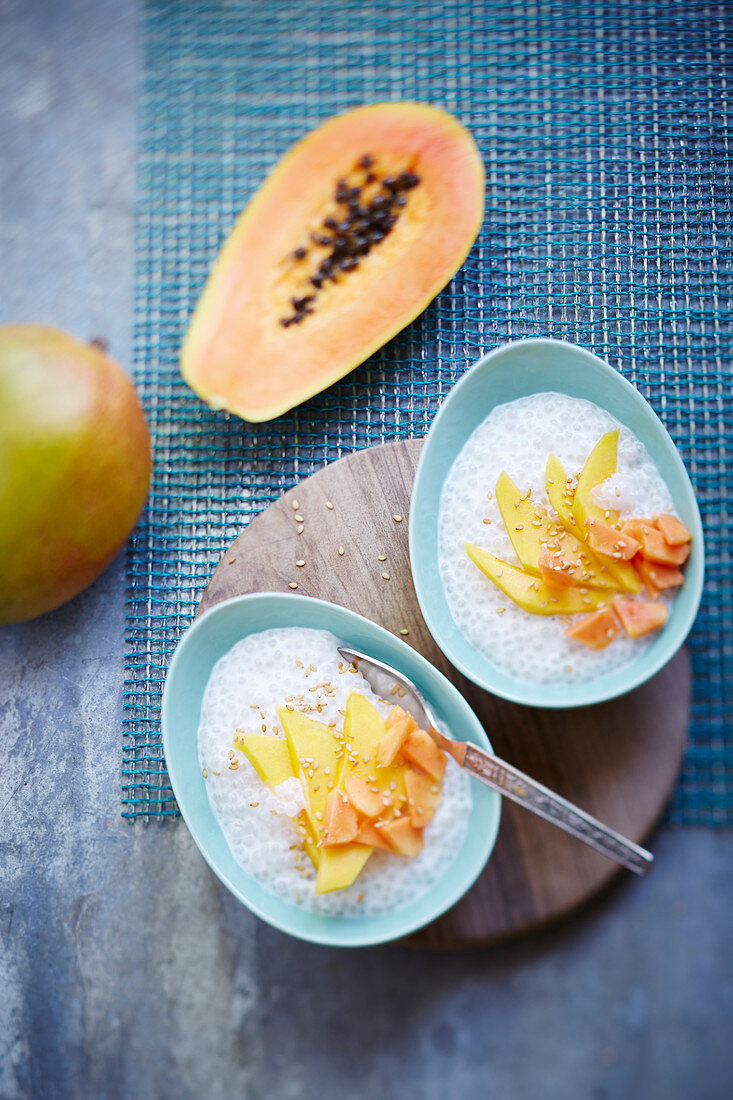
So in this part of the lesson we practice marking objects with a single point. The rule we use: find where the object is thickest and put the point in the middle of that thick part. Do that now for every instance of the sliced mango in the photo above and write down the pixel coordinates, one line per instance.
(531, 531)
(561, 498)
(532, 594)
(339, 866)
(601, 464)
(268, 755)
(312, 749)
(364, 729)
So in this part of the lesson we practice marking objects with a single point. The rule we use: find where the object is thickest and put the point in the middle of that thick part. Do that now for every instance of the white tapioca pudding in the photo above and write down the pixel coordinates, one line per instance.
(558, 549)
(329, 796)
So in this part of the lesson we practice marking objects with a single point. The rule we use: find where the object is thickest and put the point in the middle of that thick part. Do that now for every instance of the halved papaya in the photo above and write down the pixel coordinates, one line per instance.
(354, 232)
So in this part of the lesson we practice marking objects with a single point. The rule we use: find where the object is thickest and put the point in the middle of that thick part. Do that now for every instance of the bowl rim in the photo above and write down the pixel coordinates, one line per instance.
(527, 694)
(487, 809)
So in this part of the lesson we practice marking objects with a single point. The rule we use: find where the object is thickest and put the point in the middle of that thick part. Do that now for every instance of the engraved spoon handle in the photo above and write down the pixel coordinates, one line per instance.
(514, 784)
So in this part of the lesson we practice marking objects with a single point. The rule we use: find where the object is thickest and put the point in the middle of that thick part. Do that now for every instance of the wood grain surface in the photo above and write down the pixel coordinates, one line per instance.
(617, 760)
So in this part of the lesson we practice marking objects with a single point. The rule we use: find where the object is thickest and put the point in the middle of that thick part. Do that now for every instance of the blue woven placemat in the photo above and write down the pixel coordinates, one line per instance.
(603, 127)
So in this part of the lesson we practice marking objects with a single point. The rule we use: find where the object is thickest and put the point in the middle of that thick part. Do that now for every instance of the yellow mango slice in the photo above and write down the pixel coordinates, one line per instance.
(268, 755)
(531, 530)
(340, 866)
(312, 749)
(561, 498)
(532, 594)
(364, 730)
(600, 464)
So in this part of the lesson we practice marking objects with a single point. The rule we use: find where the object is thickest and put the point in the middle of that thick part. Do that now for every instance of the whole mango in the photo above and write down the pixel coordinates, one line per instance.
(74, 467)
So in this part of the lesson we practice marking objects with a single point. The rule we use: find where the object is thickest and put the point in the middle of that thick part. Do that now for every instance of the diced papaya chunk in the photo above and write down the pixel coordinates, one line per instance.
(639, 617)
(610, 541)
(654, 548)
(595, 631)
(556, 571)
(366, 800)
(423, 797)
(656, 576)
(402, 836)
(368, 834)
(397, 730)
(420, 749)
(340, 824)
(674, 531)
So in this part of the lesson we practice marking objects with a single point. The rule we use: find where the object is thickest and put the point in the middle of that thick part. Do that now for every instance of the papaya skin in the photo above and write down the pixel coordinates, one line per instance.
(236, 354)
(74, 467)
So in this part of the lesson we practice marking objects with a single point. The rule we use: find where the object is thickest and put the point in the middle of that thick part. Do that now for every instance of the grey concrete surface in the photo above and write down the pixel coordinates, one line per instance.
(126, 970)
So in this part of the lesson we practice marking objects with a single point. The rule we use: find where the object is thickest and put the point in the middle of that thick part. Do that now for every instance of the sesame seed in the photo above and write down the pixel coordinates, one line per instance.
(298, 662)
(341, 551)
(397, 519)
(298, 518)
(300, 563)
(205, 773)
(254, 803)
(264, 727)
(292, 585)
(232, 561)
(486, 521)
(385, 576)
(216, 773)
(381, 557)
(300, 529)
(500, 610)
(233, 765)
(404, 632)
(329, 505)
(294, 505)
(569, 668)
(230, 754)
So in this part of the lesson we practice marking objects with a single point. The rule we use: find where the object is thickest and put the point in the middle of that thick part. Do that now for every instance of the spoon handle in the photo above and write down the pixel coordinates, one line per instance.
(514, 784)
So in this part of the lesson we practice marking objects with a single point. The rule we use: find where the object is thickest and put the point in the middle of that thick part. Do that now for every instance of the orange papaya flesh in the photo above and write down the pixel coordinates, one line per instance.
(639, 617)
(596, 630)
(389, 198)
(673, 530)
(656, 577)
(654, 548)
(610, 541)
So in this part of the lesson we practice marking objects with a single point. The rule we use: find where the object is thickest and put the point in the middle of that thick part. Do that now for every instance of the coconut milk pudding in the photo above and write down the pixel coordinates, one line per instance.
(295, 677)
(554, 518)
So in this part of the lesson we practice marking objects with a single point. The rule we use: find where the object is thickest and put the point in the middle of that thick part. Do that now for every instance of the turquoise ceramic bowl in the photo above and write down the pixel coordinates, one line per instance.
(518, 370)
(210, 638)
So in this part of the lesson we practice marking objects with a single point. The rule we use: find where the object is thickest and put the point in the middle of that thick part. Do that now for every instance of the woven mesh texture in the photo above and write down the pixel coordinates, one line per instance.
(603, 127)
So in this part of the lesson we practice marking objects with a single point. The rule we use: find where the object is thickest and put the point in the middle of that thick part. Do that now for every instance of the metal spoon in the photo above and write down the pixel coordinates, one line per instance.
(501, 776)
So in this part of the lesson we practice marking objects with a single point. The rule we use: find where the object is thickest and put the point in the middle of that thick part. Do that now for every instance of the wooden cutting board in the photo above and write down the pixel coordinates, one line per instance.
(618, 760)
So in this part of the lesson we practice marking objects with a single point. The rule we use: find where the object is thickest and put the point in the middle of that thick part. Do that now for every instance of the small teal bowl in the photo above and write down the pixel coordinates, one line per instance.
(210, 638)
(518, 370)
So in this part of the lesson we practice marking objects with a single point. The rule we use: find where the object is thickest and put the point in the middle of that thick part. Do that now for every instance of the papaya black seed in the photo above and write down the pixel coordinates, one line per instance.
(407, 180)
(349, 264)
(366, 161)
(370, 177)
(300, 253)
(330, 223)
